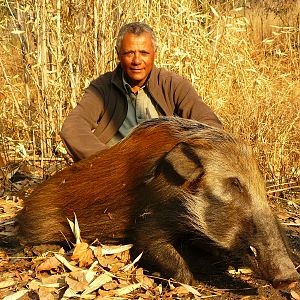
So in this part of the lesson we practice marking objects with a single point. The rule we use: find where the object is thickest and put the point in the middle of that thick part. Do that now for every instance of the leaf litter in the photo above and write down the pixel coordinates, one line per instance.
(99, 271)
(85, 272)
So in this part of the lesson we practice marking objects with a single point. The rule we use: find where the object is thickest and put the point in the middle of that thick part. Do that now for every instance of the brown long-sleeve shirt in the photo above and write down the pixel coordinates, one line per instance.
(103, 108)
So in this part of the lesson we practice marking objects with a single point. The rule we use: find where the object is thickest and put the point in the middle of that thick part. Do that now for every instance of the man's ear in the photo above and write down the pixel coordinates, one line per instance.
(118, 54)
(181, 164)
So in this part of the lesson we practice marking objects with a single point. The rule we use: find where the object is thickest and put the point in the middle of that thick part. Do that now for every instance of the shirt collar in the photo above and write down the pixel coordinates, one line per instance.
(127, 86)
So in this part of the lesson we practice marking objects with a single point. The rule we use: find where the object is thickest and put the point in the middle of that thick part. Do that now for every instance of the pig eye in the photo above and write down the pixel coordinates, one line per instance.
(236, 184)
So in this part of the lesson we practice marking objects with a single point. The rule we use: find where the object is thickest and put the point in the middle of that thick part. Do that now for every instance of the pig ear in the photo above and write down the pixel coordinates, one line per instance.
(180, 165)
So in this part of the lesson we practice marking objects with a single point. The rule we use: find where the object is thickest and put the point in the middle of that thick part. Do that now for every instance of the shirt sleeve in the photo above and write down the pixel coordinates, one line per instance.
(77, 130)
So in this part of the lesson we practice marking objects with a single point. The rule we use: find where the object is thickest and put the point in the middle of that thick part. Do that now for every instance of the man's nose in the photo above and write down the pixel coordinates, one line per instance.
(137, 58)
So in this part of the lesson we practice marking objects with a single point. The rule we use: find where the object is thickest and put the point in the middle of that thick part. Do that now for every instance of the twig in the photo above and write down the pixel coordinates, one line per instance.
(283, 189)
(291, 224)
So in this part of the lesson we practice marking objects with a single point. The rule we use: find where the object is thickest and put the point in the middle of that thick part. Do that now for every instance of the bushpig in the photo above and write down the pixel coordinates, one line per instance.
(170, 180)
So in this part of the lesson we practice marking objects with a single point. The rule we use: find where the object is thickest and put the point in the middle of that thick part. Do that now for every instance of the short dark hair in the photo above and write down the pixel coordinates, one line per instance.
(135, 28)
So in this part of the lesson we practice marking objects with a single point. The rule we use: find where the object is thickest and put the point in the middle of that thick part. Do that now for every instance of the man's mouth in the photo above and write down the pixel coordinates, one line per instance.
(136, 70)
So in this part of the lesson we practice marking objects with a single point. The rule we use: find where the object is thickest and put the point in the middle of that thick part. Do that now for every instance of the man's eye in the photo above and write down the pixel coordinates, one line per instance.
(130, 53)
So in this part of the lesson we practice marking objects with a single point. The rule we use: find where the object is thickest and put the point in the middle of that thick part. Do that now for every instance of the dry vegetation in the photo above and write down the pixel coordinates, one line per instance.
(244, 61)
(243, 57)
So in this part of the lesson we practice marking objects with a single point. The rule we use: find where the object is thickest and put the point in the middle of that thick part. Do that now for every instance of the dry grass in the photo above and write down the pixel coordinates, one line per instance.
(246, 70)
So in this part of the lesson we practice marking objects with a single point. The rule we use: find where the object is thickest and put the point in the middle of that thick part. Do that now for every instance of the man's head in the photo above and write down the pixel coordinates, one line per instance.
(136, 48)
(135, 28)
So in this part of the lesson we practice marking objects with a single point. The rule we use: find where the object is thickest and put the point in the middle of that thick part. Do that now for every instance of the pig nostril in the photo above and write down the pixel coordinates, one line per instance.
(253, 251)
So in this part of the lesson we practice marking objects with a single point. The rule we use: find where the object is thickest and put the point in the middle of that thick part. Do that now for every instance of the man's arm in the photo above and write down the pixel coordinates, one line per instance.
(77, 130)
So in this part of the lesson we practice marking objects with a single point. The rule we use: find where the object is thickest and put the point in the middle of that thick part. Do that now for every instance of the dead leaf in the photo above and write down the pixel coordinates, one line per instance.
(295, 295)
(75, 229)
(79, 275)
(77, 285)
(127, 289)
(69, 293)
(146, 282)
(139, 274)
(54, 280)
(240, 271)
(97, 283)
(116, 267)
(66, 263)
(16, 295)
(191, 289)
(34, 285)
(98, 252)
(83, 254)
(43, 249)
(107, 261)
(106, 294)
(3, 254)
(49, 264)
(46, 293)
(106, 250)
(7, 283)
(110, 285)
(103, 261)
(292, 285)
(133, 263)
(180, 290)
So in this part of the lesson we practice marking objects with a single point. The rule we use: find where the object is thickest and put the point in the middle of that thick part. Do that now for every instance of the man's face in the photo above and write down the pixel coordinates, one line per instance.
(137, 56)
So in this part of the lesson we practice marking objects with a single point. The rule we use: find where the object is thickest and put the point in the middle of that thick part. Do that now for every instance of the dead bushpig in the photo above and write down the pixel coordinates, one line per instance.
(171, 179)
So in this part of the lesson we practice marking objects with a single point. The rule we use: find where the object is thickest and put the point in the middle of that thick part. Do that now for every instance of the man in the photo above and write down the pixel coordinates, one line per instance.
(135, 91)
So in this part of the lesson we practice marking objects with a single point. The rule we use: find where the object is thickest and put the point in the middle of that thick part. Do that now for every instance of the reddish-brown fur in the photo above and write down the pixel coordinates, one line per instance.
(105, 187)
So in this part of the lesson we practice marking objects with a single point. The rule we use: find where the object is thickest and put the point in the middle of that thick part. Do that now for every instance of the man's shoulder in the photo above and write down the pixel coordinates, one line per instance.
(163, 75)
(102, 79)
(161, 71)
(103, 83)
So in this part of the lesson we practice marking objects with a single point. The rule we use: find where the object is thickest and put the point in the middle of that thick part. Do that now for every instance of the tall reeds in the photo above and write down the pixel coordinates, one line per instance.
(245, 67)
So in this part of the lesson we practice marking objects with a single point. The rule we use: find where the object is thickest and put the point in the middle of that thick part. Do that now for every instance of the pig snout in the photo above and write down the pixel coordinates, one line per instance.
(285, 271)
(280, 271)
(285, 279)
(272, 255)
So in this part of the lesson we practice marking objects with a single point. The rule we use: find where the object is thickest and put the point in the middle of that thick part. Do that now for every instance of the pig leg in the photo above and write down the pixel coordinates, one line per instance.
(160, 254)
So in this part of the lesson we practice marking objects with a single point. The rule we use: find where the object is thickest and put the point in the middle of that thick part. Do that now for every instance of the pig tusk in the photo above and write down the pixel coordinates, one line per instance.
(254, 251)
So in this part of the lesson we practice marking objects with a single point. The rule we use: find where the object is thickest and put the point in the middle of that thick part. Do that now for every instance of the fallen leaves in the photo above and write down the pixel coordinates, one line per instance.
(88, 272)
(97, 272)
(83, 254)
(49, 264)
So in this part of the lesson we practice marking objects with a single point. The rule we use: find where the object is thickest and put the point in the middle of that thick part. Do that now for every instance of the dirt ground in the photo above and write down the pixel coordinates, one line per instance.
(107, 272)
